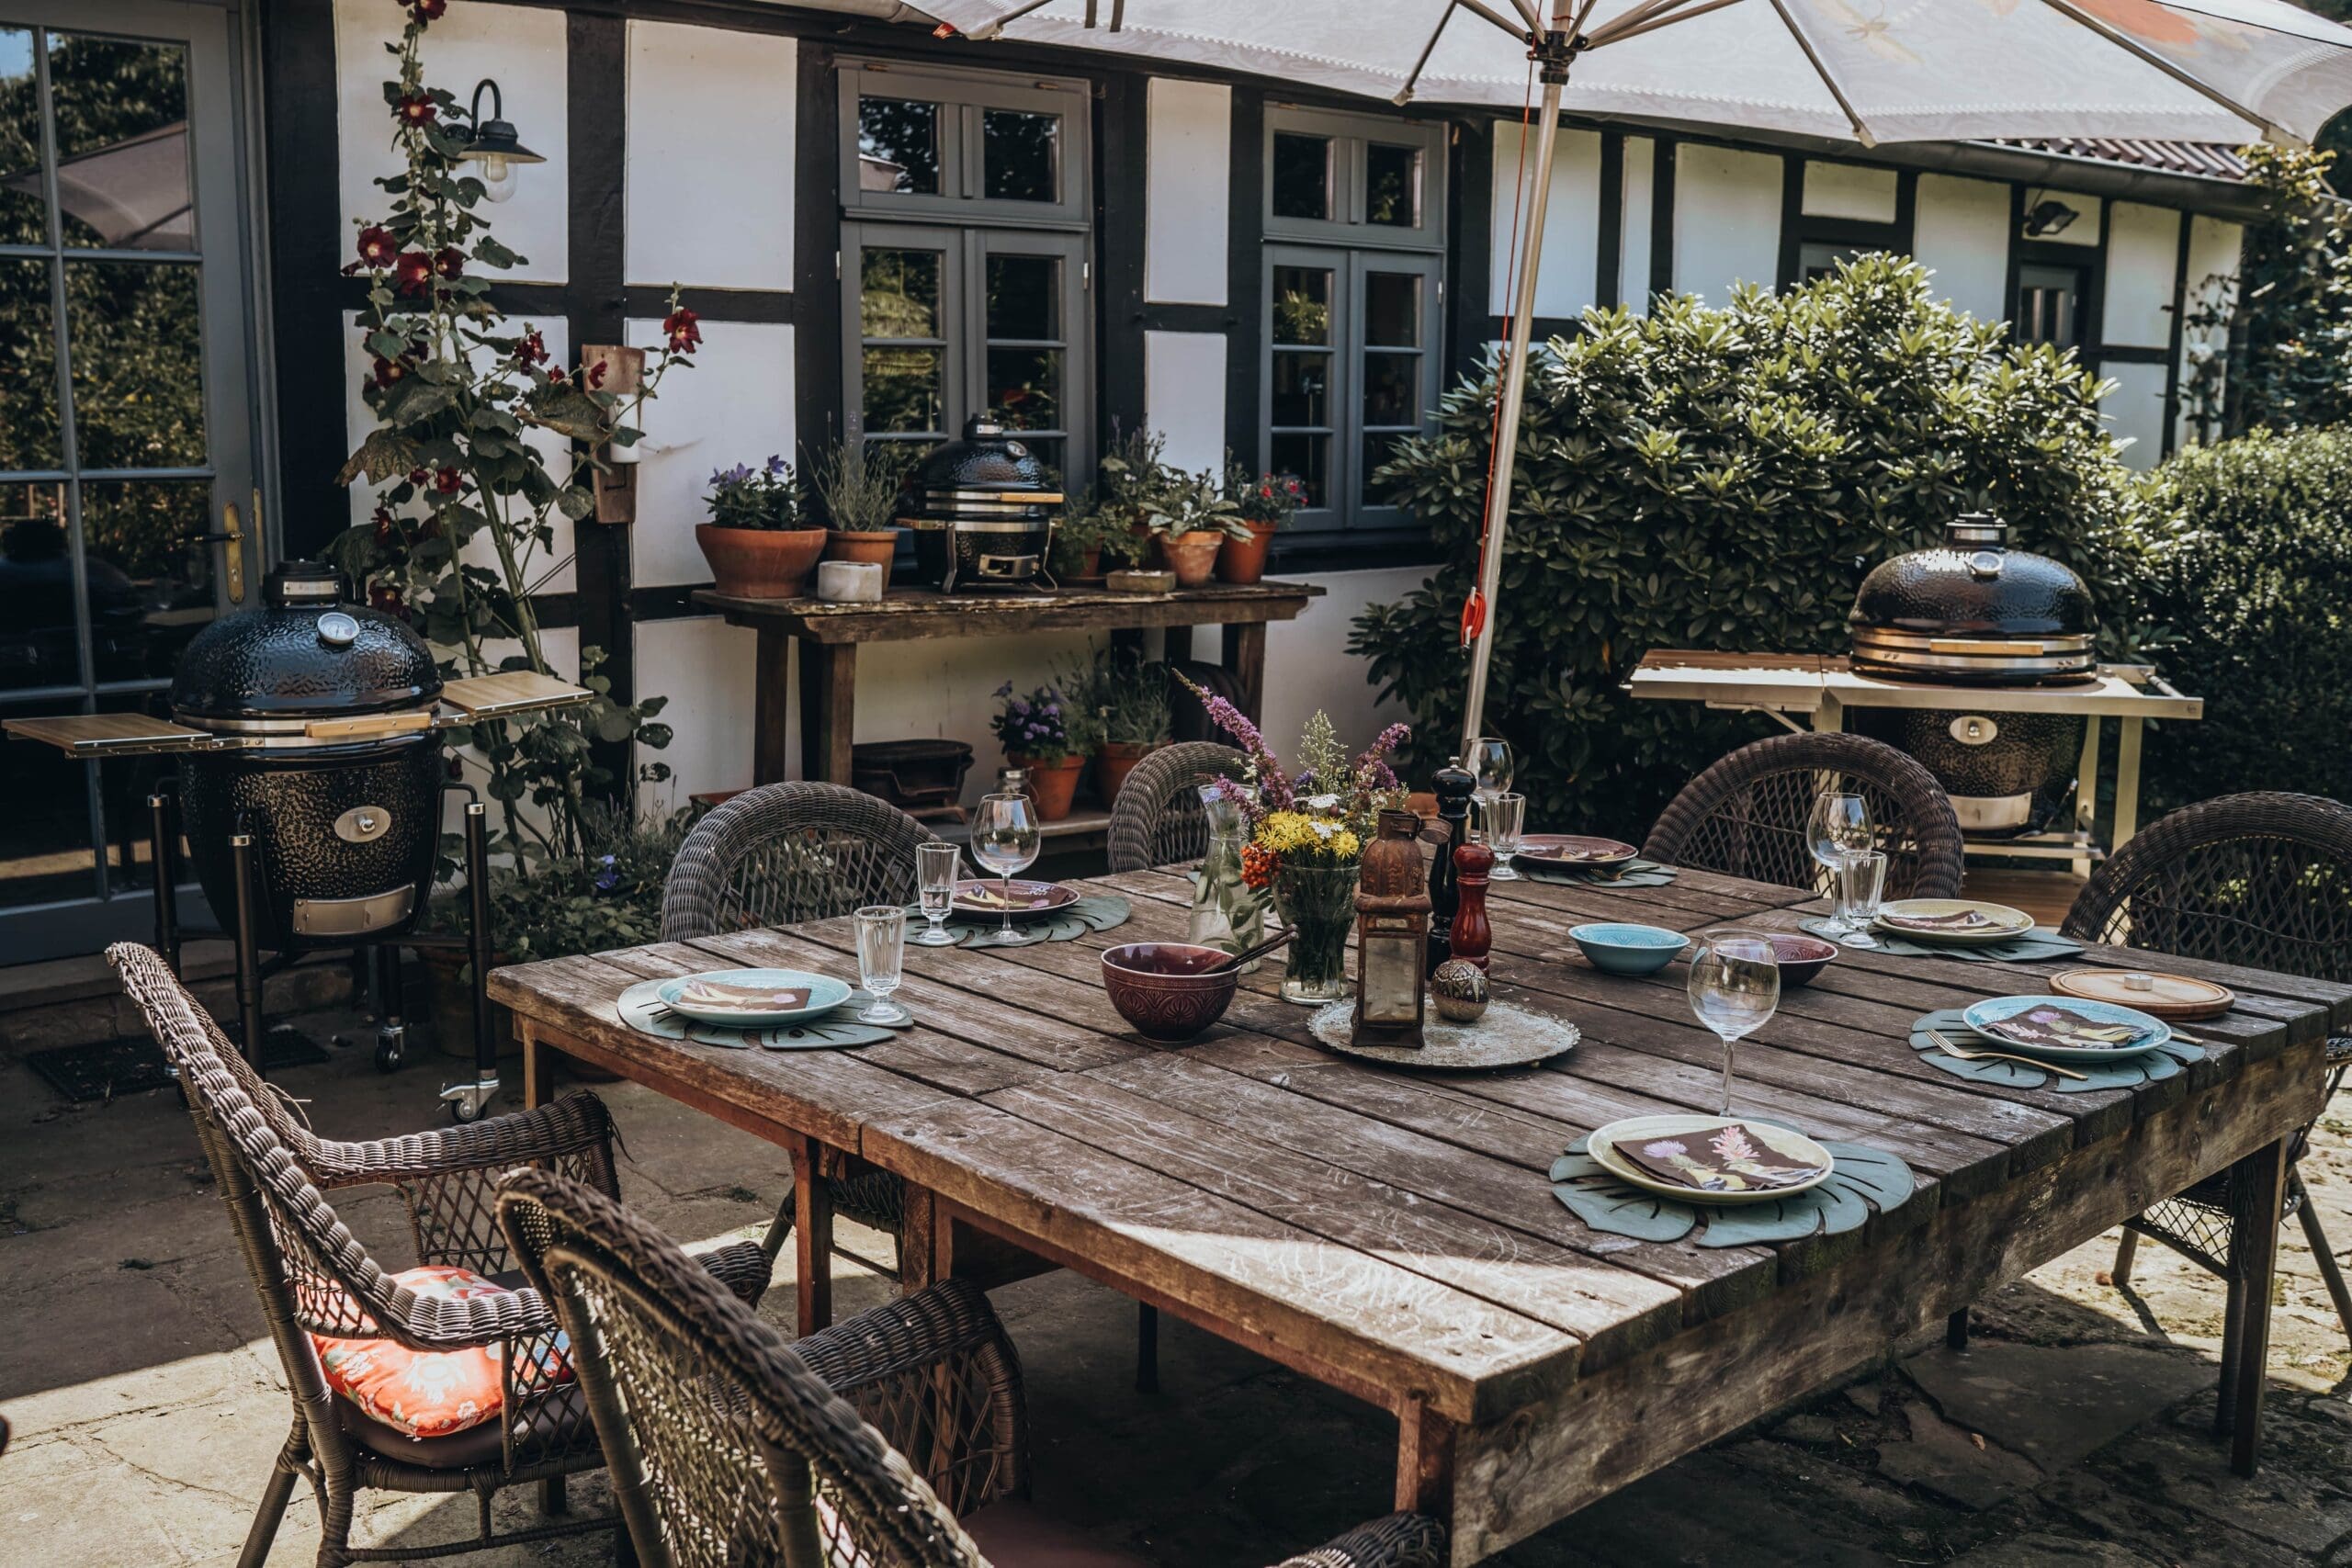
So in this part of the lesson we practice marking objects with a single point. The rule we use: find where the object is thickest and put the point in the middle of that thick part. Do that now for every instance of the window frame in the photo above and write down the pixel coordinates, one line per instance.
(1350, 135)
(964, 97)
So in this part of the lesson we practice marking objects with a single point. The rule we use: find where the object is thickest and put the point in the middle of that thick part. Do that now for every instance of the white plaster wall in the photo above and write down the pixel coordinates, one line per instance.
(734, 406)
(2135, 410)
(2142, 252)
(706, 668)
(2213, 251)
(1565, 282)
(522, 46)
(551, 569)
(1183, 396)
(1308, 666)
(1188, 166)
(1726, 220)
(1633, 244)
(1960, 233)
(710, 156)
(1851, 191)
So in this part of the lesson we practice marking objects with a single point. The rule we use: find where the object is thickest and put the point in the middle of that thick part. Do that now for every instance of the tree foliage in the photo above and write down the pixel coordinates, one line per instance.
(2285, 319)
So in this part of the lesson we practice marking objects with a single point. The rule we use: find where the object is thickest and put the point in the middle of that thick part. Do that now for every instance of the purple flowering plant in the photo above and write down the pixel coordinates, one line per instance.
(767, 497)
(1033, 727)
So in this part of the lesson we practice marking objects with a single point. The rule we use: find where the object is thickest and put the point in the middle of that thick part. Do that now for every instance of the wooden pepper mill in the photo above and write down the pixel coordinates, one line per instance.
(1471, 936)
(1453, 785)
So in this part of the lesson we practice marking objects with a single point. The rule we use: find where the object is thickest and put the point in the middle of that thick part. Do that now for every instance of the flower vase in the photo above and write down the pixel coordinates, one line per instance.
(1319, 904)
(1227, 912)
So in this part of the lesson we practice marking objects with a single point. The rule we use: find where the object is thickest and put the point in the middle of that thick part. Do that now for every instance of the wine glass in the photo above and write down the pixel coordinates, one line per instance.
(881, 960)
(936, 866)
(1005, 840)
(1735, 988)
(1491, 764)
(1839, 822)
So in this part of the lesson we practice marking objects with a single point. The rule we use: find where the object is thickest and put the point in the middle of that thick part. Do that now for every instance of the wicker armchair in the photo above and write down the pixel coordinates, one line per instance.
(1745, 816)
(2263, 880)
(868, 1441)
(776, 856)
(1157, 820)
(314, 1277)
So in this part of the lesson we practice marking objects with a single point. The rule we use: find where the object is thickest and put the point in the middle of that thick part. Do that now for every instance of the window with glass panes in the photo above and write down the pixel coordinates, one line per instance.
(964, 258)
(1353, 286)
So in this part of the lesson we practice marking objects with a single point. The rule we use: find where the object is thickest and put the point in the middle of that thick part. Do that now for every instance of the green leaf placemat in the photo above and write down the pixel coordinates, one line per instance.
(1634, 873)
(641, 1008)
(1095, 912)
(2033, 947)
(2131, 1071)
(1864, 1179)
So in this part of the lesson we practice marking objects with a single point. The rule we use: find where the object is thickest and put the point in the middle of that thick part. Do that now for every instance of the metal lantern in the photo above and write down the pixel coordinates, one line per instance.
(1392, 937)
(494, 150)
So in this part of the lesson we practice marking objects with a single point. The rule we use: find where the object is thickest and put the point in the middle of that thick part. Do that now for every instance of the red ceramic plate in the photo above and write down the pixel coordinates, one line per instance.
(1572, 849)
(985, 897)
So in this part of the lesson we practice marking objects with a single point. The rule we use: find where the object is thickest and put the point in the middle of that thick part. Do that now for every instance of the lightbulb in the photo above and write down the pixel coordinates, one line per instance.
(497, 178)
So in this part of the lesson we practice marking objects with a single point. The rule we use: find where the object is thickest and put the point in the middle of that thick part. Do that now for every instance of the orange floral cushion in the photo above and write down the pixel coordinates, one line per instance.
(426, 1394)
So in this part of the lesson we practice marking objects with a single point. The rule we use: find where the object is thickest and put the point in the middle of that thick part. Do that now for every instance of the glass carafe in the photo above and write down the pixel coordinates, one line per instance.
(1226, 913)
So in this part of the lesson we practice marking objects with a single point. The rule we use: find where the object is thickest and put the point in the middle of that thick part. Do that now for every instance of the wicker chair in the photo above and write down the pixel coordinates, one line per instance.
(1745, 816)
(314, 1278)
(2261, 880)
(868, 1441)
(1157, 820)
(776, 856)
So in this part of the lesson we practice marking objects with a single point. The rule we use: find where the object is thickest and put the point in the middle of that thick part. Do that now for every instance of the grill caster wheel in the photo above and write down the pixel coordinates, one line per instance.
(470, 1101)
(463, 1112)
(391, 1044)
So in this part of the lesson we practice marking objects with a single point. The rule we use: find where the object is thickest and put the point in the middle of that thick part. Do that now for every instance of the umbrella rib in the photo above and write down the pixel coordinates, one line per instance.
(995, 28)
(2186, 77)
(1405, 93)
(1489, 14)
(1617, 32)
(1821, 69)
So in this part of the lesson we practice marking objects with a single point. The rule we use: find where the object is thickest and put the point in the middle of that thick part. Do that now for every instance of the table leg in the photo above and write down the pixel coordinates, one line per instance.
(1830, 716)
(918, 1242)
(2257, 1194)
(828, 709)
(772, 686)
(812, 1239)
(2126, 781)
(1425, 1461)
(1245, 655)
(539, 1067)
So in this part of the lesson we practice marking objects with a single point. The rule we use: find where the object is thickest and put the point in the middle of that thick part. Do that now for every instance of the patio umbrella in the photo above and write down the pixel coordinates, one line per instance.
(1861, 71)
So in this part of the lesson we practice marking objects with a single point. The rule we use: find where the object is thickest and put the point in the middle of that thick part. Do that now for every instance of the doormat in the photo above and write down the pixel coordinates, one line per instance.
(133, 1064)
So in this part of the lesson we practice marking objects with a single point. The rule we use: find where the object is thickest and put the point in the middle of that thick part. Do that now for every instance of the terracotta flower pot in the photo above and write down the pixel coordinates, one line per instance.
(879, 546)
(760, 563)
(1114, 762)
(1090, 567)
(1192, 556)
(1244, 560)
(1053, 785)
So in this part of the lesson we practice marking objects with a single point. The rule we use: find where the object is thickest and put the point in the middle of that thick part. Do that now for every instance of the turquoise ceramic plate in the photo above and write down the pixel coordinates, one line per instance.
(753, 998)
(2114, 1033)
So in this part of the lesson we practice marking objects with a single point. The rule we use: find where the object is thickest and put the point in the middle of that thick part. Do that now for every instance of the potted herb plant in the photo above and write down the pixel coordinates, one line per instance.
(1192, 519)
(858, 488)
(1033, 729)
(1266, 504)
(1134, 478)
(758, 544)
(1089, 537)
(1120, 713)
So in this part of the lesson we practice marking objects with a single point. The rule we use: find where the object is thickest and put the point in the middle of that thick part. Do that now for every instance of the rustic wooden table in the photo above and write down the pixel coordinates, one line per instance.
(1393, 1233)
(828, 636)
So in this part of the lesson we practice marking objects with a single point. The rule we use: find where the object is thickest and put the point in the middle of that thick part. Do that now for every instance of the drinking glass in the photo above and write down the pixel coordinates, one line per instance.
(935, 867)
(1735, 988)
(1004, 839)
(881, 960)
(1839, 823)
(1862, 883)
(1506, 820)
(1490, 762)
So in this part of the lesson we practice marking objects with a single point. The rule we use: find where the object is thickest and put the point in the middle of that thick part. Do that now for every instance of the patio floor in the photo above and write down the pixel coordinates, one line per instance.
(147, 1407)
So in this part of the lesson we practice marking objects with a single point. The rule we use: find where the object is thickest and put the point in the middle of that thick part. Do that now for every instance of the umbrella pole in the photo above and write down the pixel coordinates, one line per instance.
(1514, 390)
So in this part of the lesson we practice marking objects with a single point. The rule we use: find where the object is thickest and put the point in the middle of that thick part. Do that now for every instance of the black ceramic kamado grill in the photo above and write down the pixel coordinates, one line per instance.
(1974, 612)
(315, 763)
(981, 510)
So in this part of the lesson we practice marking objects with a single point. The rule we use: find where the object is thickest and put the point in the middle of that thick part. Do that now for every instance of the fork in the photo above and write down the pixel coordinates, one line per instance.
(1942, 1043)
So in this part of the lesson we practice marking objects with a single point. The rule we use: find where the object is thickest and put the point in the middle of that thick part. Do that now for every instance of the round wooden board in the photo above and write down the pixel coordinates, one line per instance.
(2175, 997)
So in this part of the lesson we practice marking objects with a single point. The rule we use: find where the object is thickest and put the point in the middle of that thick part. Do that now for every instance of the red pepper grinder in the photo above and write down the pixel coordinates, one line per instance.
(1471, 937)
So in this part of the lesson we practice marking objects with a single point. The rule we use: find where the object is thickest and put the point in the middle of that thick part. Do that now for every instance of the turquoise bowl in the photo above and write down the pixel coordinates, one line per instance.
(1628, 949)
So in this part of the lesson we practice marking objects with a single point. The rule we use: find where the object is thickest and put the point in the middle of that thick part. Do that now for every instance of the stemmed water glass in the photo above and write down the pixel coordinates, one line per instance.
(881, 960)
(1490, 762)
(1005, 840)
(1735, 988)
(936, 866)
(1839, 824)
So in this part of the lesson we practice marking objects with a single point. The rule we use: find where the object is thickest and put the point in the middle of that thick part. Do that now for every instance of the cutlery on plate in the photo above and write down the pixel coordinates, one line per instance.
(1943, 1042)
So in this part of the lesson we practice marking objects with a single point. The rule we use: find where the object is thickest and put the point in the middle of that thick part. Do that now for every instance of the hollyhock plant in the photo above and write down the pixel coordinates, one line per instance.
(682, 328)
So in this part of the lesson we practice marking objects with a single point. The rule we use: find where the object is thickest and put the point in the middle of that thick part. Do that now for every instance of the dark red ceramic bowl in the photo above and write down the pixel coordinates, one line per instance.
(1800, 957)
(1160, 988)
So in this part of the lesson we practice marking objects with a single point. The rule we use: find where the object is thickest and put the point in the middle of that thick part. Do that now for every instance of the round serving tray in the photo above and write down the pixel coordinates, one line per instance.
(2174, 998)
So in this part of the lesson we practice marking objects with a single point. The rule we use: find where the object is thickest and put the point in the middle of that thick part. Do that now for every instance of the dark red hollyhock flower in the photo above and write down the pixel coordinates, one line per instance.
(596, 375)
(377, 246)
(449, 262)
(383, 598)
(684, 329)
(389, 370)
(383, 521)
(447, 481)
(412, 271)
(416, 108)
(426, 10)
(457, 769)
(533, 349)
(418, 476)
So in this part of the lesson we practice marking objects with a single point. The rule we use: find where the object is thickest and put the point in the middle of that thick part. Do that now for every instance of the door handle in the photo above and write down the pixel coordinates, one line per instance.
(233, 537)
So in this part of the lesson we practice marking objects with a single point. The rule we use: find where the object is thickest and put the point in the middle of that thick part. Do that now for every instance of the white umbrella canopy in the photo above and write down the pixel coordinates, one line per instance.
(1866, 71)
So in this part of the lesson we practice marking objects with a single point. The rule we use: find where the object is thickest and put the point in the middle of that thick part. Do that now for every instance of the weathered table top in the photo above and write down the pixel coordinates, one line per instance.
(906, 614)
(1395, 1233)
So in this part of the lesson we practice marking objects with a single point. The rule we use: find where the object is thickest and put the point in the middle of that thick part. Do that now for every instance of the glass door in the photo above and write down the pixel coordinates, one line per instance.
(126, 501)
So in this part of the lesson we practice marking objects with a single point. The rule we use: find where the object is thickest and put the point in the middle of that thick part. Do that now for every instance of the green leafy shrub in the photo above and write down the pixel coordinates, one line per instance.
(1721, 478)
(2246, 569)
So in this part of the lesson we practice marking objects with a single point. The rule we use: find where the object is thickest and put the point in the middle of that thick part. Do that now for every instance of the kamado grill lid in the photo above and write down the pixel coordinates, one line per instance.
(1974, 610)
(988, 473)
(303, 654)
